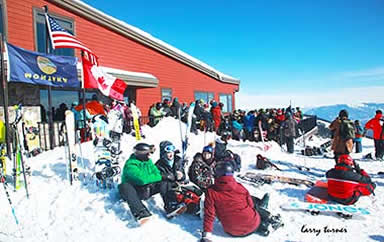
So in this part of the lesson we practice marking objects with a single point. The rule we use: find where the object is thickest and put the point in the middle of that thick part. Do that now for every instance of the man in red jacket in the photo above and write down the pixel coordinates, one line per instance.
(239, 212)
(376, 126)
(347, 182)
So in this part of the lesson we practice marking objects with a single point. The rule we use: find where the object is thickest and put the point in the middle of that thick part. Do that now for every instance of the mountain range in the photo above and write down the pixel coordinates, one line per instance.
(362, 112)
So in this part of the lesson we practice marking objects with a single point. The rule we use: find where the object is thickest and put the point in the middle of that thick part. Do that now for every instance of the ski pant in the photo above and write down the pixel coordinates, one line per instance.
(379, 148)
(359, 147)
(135, 194)
(264, 217)
(290, 143)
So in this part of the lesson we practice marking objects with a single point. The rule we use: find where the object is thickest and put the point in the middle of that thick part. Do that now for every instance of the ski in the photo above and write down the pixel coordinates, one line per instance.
(71, 141)
(189, 125)
(136, 123)
(261, 179)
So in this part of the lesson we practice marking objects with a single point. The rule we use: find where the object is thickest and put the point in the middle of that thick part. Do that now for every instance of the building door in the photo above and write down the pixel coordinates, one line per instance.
(130, 94)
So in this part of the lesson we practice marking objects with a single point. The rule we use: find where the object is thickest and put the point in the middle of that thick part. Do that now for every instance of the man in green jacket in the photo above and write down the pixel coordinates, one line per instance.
(140, 180)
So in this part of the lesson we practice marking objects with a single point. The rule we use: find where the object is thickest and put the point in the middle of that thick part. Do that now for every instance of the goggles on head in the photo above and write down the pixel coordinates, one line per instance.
(170, 148)
(208, 149)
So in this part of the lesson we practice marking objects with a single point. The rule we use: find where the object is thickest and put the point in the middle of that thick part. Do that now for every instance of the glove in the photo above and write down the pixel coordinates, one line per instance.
(169, 177)
(179, 175)
(206, 237)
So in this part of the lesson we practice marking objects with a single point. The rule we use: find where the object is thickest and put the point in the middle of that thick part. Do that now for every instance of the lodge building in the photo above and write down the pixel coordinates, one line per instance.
(153, 69)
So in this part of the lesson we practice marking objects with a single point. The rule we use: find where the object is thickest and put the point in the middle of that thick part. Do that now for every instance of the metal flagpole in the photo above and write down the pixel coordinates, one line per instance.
(84, 110)
(50, 110)
(4, 91)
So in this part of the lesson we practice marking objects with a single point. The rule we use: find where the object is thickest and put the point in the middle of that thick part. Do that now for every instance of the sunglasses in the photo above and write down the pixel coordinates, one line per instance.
(170, 148)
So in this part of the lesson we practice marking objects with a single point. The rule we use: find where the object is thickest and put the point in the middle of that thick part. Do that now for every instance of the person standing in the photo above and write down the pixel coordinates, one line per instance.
(289, 130)
(376, 124)
(343, 135)
(358, 136)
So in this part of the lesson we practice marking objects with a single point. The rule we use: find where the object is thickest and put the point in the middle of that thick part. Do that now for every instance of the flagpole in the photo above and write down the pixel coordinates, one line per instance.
(83, 91)
(50, 111)
(4, 91)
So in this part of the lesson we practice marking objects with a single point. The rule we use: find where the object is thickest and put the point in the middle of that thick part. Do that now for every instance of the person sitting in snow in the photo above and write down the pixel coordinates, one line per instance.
(239, 213)
(201, 171)
(140, 180)
(222, 153)
(171, 168)
(347, 182)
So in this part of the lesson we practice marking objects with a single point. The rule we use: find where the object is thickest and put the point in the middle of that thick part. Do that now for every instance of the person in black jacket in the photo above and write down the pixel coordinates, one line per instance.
(171, 169)
(201, 171)
(223, 154)
(175, 108)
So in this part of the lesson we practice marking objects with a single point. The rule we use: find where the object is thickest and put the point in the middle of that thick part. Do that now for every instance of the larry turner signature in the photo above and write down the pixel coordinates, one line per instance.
(325, 229)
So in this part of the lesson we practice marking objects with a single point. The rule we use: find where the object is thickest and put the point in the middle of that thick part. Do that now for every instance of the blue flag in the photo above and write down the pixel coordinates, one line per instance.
(41, 69)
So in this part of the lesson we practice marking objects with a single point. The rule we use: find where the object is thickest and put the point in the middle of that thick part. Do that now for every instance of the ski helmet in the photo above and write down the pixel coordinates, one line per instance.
(223, 169)
(346, 159)
(166, 147)
(142, 151)
(208, 149)
(226, 135)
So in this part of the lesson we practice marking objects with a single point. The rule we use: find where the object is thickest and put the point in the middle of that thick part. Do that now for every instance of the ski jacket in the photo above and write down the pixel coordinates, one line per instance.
(216, 115)
(198, 110)
(201, 173)
(339, 145)
(139, 172)
(233, 205)
(169, 173)
(358, 133)
(236, 125)
(175, 109)
(289, 127)
(156, 114)
(249, 122)
(346, 184)
(375, 125)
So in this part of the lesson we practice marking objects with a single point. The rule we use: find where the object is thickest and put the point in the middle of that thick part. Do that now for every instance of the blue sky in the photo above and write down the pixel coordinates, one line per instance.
(311, 52)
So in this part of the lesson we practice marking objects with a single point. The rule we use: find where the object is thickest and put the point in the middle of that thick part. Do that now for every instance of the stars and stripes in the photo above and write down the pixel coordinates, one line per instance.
(61, 38)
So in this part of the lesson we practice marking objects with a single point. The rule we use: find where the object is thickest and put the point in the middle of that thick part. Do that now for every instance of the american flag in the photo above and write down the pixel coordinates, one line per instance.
(61, 38)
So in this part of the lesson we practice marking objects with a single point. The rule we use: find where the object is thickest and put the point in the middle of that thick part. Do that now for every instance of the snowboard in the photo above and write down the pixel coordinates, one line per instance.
(2, 132)
(318, 193)
(71, 142)
(343, 211)
(136, 123)
(261, 179)
(115, 121)
(31, 135)
(262, 134)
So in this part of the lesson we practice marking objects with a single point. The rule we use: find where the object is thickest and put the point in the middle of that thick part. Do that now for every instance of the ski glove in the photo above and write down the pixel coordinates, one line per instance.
(169, 177)
(206, 237)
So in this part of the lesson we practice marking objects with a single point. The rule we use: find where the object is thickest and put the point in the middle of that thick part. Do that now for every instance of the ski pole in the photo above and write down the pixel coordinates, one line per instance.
(10, 203)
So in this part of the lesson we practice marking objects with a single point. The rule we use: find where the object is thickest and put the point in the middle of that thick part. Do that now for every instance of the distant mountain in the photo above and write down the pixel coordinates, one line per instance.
(362, 112)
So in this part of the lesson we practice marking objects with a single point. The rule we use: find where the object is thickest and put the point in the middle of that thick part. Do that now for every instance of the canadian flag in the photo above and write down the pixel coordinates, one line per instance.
(95, 77)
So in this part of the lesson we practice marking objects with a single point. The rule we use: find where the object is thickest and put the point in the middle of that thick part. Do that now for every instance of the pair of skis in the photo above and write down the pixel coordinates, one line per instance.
(184, 138)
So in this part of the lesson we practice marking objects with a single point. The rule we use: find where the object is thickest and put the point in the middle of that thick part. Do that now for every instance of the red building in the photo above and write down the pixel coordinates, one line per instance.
(152, 68)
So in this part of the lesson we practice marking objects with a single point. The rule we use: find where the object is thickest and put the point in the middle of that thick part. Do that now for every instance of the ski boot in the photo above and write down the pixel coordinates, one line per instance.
(276, 222)
(143, 216)
(174, 208)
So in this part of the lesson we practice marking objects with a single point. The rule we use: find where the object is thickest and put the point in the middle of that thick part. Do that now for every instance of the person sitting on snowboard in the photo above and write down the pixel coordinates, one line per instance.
(201, 171)
(140, 180)
(347, 182)
(171, 168)
(239, 213)
(222, 153)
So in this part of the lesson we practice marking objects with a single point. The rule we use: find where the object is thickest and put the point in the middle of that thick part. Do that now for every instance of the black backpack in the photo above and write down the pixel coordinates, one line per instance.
(347, 129)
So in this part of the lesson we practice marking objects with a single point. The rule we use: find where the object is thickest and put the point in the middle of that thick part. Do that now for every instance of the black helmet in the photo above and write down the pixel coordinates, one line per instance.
(223, 169)
(143, 150)
(343, 113)
(226, 135)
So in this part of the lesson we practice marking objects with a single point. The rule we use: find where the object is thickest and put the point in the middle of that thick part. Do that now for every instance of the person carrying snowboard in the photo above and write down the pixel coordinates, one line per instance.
(201, 170)
(140, 180)
(347, 182)
(239, 213)
(376, 124)
(343, 134)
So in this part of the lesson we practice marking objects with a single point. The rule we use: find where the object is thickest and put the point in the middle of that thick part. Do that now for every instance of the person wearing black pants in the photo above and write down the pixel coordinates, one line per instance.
(289, 130)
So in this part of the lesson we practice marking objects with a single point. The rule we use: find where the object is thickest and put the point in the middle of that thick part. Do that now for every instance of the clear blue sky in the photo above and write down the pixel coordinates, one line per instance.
(273, 47)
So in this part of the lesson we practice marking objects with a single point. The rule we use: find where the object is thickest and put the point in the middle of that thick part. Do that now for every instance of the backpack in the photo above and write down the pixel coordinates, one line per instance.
(347, 129)
(190, 195)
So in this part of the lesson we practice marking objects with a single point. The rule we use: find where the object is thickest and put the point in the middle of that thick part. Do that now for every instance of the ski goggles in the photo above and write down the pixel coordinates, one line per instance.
(170, 148)
(208, 149)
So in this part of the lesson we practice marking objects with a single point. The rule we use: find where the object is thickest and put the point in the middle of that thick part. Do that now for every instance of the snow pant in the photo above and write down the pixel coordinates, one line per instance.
(359, 147)
(379, 148)
(290, 143)
(134, 194)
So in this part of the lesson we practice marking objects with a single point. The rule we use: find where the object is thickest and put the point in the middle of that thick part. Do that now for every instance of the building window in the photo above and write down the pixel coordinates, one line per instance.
(41, 34)
(226, 99)
(166, 93)
(205, 96)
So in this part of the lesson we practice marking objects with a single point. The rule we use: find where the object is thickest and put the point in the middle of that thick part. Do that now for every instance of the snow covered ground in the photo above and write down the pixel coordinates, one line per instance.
(57, 211)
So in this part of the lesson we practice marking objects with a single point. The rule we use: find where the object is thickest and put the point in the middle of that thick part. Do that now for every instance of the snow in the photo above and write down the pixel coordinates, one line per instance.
(57, 211)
